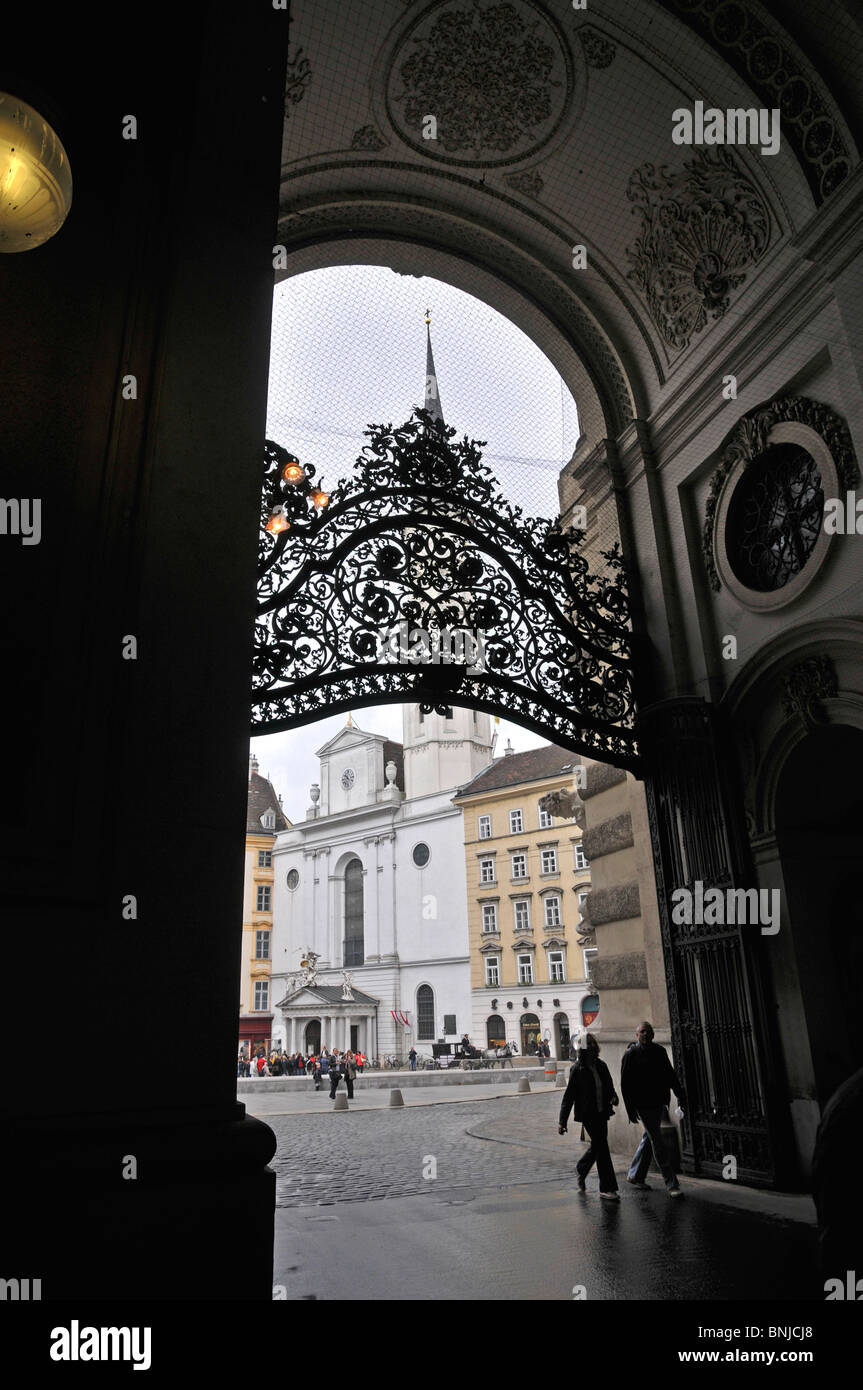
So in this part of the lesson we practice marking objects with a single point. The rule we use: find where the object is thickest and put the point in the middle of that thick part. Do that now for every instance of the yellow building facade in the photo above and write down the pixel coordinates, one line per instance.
(527, 880)
(264, 820)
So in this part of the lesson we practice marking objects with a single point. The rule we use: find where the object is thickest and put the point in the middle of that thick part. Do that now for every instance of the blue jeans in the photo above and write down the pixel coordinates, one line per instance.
(413, 1063)
(651, 1145)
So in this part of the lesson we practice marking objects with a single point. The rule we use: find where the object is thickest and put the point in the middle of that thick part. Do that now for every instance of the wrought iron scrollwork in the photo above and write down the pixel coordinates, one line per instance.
(421, 539)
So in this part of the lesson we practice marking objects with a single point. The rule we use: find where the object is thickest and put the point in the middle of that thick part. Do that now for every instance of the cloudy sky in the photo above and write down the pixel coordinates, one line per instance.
(348, 350)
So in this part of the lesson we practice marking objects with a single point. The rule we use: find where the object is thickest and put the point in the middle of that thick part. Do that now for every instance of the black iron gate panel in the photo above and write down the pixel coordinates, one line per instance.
(715, 996)
(415, 581)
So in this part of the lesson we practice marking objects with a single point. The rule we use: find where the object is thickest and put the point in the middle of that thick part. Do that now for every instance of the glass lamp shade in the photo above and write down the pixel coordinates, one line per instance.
(35, 181)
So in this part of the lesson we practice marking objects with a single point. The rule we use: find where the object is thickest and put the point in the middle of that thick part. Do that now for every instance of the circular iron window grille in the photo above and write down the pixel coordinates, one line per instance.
(774, 517)
(421, 855)
(293, 879)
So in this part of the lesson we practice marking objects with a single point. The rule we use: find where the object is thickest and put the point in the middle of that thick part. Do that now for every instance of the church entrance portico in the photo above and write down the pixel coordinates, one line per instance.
(318, 1016)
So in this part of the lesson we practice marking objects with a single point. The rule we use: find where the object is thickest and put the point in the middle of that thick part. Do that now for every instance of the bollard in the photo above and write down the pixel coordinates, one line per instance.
(341, 1103)
(560, 1079)
(396, 1099)
(523, 1086)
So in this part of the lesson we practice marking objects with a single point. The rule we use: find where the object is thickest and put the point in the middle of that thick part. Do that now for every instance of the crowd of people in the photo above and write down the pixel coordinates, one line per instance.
(329, 1064)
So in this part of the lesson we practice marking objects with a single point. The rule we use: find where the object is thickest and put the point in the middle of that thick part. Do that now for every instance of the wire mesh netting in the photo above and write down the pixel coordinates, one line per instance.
(349, 350)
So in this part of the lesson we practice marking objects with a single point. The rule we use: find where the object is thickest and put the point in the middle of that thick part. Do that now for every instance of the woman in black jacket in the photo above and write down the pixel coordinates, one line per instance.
(591, 1096)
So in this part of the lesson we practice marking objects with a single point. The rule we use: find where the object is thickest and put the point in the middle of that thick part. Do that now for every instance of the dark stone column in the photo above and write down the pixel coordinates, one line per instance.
(129, 776)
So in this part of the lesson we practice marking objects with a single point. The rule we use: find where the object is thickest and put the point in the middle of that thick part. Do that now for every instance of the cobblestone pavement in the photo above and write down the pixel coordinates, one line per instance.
(369, 1155)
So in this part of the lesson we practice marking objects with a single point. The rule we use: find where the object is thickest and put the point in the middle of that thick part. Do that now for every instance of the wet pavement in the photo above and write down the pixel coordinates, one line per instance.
(477, 1200)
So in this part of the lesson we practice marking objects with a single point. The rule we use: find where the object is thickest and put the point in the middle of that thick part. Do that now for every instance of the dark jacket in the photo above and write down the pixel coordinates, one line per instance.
(647, 1079)
(580, 1094)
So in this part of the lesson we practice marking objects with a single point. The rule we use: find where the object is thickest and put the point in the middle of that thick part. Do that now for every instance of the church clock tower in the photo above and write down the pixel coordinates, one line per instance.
(443, 751)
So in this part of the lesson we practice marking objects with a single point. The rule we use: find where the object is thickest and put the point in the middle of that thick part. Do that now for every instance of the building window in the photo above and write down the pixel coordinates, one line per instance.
(264, 897)
(489, 917)
(549, 861)
(484, 827)
(354, 952)
(545, 820)
(516, 822)
(555, 967)
(525, 970)
(589, 953)
(262, 994)
(268, 820)
(582, 899)
(581, 859)
(486, 871)
(425, 1014)
(293, 879)
(552, 911)
(492, 970)
(519, 866)
(265, 858)
(421, 855)
(522, 915)
(262, 945)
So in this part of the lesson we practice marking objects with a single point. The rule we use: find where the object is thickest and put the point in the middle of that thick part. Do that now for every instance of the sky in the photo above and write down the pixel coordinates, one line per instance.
(348, 349)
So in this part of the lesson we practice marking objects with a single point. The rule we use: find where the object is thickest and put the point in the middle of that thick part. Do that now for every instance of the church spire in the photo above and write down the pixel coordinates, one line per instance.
(432, 395)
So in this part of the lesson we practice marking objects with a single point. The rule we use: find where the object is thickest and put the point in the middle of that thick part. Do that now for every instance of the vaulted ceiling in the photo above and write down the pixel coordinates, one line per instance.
(551, 129)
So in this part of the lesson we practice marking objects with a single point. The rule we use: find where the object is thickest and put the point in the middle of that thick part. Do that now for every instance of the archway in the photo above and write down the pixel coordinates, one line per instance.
(312, 1037)
(495, 1031)
(819, 831)
(561, 1035)
(531, 1033)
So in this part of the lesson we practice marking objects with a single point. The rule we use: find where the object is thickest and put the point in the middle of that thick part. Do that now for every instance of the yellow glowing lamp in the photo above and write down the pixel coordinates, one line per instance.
(35, 181)
(320, 499)
(293, 473)
(278, 521)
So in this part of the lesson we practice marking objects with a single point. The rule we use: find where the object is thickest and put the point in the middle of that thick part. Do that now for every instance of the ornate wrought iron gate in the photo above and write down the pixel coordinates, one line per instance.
(420, 541)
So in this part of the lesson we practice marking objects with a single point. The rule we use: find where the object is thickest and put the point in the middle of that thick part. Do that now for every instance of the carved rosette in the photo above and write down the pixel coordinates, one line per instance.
(496, 77)
(599, 52)
(702, 228)
(749, 439)
(805, 686)
(368, 137)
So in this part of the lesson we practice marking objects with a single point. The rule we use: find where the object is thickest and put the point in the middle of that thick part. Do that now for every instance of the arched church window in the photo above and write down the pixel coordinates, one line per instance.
(425, 1014)
(354, 952)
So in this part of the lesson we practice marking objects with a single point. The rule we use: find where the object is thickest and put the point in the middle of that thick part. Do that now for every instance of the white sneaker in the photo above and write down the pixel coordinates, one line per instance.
(610, 1196)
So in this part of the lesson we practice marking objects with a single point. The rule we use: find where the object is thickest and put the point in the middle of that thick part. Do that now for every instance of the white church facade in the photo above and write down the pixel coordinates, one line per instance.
(370, 928)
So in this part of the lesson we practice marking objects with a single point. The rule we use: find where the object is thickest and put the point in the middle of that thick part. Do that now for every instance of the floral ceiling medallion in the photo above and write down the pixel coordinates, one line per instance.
(497, 78)
(702, 228)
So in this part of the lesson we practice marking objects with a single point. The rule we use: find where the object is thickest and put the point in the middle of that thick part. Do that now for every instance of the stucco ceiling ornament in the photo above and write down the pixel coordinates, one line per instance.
(496, 77)
(702, 227)
(599, 52)
(764, 57)
(806, 685)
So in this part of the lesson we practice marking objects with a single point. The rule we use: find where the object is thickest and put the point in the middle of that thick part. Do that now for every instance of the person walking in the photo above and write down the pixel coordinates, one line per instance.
(350, 1063)
(647, 1079)
(590, 1096)
(412, 1058)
